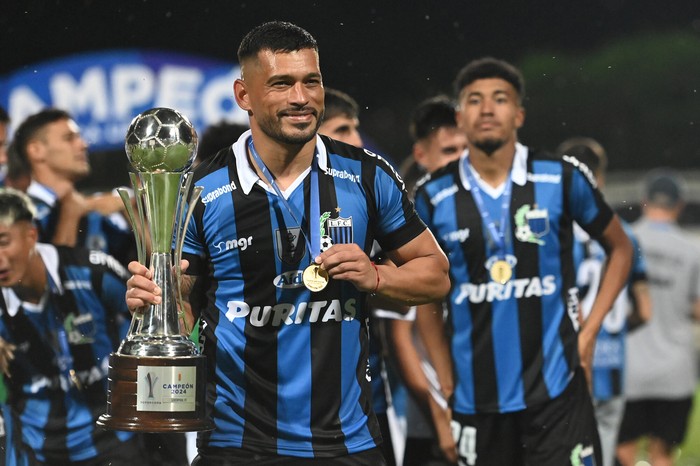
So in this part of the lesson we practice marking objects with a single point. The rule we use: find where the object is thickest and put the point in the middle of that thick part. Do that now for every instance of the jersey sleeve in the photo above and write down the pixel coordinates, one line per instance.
(423, 206)
(586, 203)
(398, 222)
(193, 248)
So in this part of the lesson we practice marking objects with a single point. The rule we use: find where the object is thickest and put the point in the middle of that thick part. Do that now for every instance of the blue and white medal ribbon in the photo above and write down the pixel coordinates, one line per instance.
(500, 270)
(314, 277)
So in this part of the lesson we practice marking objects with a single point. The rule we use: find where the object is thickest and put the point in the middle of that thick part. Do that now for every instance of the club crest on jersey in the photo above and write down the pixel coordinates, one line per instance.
(531, 224)
(80, 329)
(335, 230)
(290, 245)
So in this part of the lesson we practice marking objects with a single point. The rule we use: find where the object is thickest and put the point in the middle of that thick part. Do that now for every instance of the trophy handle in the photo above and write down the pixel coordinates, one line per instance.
(138, 232)
(181, 229)
(137, 225)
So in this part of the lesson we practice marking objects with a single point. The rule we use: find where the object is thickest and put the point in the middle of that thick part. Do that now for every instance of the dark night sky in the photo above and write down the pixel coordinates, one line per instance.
(389, 55)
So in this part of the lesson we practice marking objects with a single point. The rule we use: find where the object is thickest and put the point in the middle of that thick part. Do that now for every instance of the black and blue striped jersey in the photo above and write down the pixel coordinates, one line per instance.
(49, 416)
(514, 344)
(288, 368)
(609, 355)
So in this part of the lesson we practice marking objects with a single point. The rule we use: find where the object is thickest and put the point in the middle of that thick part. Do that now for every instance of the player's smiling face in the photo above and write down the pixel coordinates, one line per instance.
(283, 94)
(490, 113)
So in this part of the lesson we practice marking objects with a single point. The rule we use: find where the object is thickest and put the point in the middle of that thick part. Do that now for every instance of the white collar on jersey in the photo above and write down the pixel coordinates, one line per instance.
(49, 255)
(518, 172)
(43, 193)
(248, 177)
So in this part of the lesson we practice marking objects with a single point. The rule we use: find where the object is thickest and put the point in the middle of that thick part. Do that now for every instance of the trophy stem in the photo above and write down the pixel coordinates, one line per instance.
(162, 319)
(162, 195)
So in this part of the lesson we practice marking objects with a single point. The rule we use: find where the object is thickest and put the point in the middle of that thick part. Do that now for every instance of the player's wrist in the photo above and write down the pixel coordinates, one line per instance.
(375, 290)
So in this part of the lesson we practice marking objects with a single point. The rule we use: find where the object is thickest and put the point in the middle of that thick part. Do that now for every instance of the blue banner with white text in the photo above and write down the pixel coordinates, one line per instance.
(104, 91)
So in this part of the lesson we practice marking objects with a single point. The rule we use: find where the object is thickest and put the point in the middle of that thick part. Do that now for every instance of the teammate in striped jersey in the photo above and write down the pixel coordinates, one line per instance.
(504, 215)
(632, 306)
(279, 250)
(61, 314)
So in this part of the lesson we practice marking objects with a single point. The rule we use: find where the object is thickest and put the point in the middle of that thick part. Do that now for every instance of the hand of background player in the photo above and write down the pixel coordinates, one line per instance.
(586, 346)
(7, 354)
(349, 262)
(442, 420)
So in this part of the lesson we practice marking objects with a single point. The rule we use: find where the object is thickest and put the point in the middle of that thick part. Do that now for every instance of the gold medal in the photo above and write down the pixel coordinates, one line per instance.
(315, 278)
(501, 271)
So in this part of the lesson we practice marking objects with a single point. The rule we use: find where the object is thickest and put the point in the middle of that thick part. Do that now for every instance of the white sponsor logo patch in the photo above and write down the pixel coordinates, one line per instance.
(290, 279)
(342, 174)
(544, 178)
(221, 190)
(518, 288)
(240, 243)
(458, 235)
(288, 314)
(443, 194)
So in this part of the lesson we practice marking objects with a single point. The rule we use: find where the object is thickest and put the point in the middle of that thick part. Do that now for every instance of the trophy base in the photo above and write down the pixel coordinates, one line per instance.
(156, 394)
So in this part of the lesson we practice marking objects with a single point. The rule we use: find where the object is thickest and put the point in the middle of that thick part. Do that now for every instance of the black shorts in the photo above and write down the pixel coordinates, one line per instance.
(423, 452)
(550, 434)
(664, 419)
(238, 457)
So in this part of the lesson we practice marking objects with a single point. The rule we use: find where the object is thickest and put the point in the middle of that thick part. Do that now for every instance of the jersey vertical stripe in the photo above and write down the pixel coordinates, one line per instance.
(514, 345)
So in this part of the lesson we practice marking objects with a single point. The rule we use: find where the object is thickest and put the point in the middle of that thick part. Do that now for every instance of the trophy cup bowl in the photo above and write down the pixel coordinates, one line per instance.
(157, 377)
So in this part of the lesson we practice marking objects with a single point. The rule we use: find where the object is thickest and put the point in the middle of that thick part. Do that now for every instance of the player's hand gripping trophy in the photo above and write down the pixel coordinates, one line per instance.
(157, 376)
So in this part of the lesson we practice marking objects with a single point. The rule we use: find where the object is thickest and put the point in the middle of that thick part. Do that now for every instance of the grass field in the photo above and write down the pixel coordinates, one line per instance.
(689, 454)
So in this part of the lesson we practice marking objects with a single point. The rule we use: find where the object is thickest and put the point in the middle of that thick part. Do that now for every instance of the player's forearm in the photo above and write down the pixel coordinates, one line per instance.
(430, 325)
(641, 310)
(421, 280)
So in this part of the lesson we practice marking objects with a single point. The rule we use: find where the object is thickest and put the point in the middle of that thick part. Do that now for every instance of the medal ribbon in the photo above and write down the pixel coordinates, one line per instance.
(498, 235)
(314, 224)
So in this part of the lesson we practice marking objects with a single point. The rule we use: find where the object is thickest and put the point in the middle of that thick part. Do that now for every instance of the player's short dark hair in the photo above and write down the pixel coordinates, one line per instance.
(430, 115)
(4, 116)
(15, 206)
(585, 150)
(31, 126)
(489, 67)
(217, 137)
(339, 103)
(277, 36)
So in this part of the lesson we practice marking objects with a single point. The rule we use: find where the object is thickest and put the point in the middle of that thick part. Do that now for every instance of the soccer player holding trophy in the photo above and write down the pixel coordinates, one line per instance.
(278, 249)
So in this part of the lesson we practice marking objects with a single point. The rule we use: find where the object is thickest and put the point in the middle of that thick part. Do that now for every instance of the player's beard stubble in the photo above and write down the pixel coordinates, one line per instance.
(272, 126)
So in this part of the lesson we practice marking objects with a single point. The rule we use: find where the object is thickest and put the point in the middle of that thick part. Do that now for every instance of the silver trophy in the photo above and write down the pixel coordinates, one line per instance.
(157, 377)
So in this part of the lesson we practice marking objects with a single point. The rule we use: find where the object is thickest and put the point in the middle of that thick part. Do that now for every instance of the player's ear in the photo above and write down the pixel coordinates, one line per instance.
(520, 117)
(241, 94)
